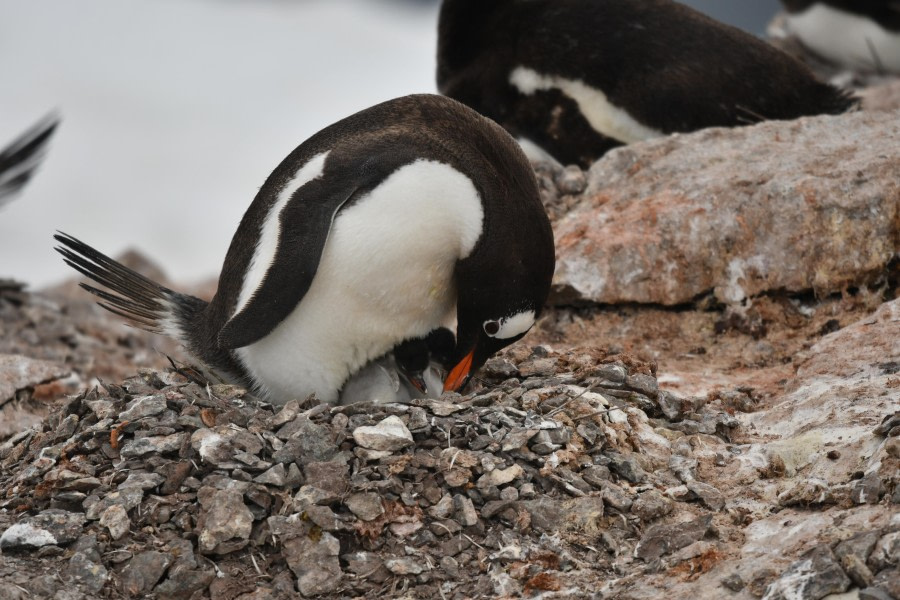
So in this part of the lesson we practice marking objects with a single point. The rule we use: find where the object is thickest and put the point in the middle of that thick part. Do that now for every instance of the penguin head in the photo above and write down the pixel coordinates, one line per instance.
(489, 318)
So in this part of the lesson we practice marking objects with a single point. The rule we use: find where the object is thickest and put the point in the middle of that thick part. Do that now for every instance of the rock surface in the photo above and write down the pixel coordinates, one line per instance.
(813, 204)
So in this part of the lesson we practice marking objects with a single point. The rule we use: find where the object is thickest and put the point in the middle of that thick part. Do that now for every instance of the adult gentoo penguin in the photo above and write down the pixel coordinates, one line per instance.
(20, 159)
(862, 35)
(370, 233)
(578, 77)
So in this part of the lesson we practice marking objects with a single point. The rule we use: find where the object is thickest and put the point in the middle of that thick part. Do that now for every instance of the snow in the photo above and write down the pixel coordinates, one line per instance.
(175, 111)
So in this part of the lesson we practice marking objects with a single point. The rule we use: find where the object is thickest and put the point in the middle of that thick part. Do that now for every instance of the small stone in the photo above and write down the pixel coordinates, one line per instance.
(812, 577)
(143, 571)
(663, 539)
(852, 555)
(314, 560)
(274, 476)
(366, 506)
(390, 435)
(91, 574)
(226, 523)
(874, 593)
(328, 476)
(886, 553)
(143, 407)
(219, 445)
(405, 565)
(153, 445)
(888, 580)
(182, 581)
(526, 491)
(464, 511)
(709, 496)
(626, 467)
(596, 476)
(294, 478)
(443, 508)
(651, 505)
(367, 565)
(616, 498)
(546, 514)
(115, 519)
(808, 492)
(540, 367)
(571, 180)
(305, 442)
(175, 474)
(867, 490)
(499, 477)
(144, 481)
(499, 368)
(516, 438)
(644, 384)
(509, 494)
(127, 499)
(50, 527)
(733, 582)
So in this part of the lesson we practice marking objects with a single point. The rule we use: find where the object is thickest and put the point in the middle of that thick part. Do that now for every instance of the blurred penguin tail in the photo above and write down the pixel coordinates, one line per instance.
(20, 159)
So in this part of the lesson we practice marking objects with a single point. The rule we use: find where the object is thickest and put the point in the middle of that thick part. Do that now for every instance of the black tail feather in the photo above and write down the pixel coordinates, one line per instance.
(147, 304)
(20, 159)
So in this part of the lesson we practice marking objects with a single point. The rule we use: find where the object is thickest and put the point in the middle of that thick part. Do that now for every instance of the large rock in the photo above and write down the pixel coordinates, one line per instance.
(812, 204)
(19, 372)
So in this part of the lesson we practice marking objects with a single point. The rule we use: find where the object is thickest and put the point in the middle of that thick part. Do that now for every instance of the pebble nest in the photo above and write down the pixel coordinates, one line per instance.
(555, 477)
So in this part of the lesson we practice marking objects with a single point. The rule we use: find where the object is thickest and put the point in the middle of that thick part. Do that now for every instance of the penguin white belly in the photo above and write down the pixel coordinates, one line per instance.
(602, 115)
(386, 275)
(847, 39)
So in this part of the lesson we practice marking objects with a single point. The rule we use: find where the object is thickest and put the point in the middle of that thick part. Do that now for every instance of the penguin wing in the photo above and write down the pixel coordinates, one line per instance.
(305, 222)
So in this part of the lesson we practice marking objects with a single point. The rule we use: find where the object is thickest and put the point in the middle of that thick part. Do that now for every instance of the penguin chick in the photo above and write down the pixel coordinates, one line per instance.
(20, 159)
(378, 382)
(409, 372)
(576, 78)
(857, 35)
(366, 235)
(423, 362)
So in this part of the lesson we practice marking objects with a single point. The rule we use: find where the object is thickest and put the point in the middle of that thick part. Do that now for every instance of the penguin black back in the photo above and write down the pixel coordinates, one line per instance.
(578, 77)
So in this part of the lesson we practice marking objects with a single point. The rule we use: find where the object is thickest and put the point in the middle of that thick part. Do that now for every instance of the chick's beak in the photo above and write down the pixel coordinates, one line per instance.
(459, 376)
(418, 381)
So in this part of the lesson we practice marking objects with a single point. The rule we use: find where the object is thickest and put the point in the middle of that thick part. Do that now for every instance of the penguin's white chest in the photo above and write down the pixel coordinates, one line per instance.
(386, 275)
(847, 39)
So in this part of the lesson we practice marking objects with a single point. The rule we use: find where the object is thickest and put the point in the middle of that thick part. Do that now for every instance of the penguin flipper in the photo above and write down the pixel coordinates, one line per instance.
(304, 225)
(20, 159)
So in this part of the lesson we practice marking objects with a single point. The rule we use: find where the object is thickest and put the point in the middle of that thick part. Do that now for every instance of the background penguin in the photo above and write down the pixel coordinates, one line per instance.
(579, 77)
(20, 159)
(368, 234)
(863, 35)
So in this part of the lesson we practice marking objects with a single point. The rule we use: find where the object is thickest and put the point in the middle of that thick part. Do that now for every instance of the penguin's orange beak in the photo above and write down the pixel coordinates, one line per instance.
(459, 376)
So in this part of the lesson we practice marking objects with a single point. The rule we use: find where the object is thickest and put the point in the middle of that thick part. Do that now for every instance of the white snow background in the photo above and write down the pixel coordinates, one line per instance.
(175, 111)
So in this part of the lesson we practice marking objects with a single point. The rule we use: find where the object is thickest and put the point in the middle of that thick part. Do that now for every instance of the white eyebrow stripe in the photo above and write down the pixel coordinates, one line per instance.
(515, 325)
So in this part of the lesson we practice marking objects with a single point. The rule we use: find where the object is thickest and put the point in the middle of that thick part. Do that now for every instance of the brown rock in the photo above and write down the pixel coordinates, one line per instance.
(20, 372)
(809, 204)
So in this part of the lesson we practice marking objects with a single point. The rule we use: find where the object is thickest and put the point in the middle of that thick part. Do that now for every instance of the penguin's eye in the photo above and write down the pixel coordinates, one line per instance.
(510, 327)
(492, 328)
